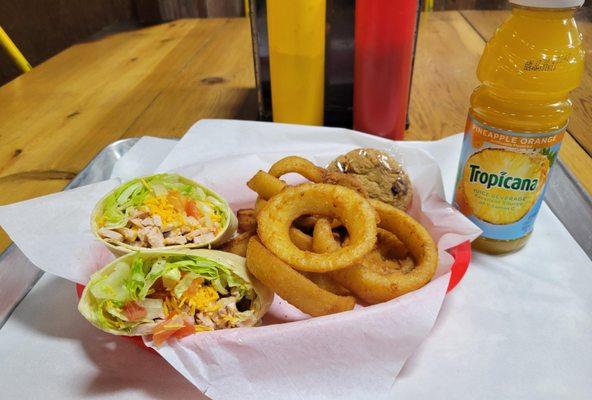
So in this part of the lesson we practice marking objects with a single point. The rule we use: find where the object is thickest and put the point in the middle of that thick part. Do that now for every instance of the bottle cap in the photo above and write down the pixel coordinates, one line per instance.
(548, 3)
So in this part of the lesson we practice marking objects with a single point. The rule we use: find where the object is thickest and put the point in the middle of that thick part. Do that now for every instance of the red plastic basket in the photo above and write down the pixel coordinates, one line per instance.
(462, 258)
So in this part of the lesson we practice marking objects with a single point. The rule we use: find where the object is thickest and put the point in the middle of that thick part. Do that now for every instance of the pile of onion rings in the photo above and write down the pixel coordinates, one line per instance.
(323, 245)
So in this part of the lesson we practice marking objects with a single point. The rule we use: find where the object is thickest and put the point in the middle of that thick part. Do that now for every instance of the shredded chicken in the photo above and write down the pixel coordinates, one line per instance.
(167, 228)
(206, 237)
(192, 221)
(157, 221)
(155, 237)
(137, 222)
(173, 240)
(197, 232)
(148, 221)
(202, 319)
(227, 312)
(173, 232)
(137, 213)
(109, 234)
(129, 234)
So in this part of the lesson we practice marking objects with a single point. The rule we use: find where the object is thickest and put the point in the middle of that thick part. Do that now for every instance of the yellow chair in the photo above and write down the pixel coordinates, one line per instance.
(14, 52)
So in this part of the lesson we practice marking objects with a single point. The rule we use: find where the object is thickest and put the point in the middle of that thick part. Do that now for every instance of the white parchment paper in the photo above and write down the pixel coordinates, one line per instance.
(355, 354)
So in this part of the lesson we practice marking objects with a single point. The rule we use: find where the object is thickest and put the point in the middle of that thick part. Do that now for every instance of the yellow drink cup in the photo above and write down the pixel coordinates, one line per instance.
(296, 31)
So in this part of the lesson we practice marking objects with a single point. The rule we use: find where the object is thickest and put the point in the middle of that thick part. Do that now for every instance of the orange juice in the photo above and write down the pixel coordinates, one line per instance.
(517, 120)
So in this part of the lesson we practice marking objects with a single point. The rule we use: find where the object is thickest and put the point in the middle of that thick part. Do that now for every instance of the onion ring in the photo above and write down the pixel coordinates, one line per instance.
(390, 246)
(259, 204)
(238, 244)
(323, 241)
(300, 239)
(292, 286)
(325, 282)
(265, 185)
(322, 238)
(297, 165)
(308, 222)
(353, 210)
(247, 220)
(376, 280)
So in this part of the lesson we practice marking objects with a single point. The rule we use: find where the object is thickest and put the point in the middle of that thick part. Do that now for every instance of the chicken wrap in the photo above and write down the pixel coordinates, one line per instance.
(172, 294)
(164, 211)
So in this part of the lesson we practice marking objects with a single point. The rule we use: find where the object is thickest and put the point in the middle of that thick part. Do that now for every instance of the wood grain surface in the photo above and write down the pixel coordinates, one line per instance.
(160, 80)
(448, 51)
(215, 84)
(41, 29)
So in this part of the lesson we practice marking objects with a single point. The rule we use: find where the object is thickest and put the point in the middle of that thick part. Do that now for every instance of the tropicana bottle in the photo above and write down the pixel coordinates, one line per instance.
(517, 120)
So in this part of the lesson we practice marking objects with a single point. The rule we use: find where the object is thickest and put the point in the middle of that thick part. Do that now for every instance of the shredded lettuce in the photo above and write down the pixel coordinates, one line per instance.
(135, 281)
(171, 278)
(105, 315)
(159, 189)
(115, 310)
(156, 272)
(112, 286)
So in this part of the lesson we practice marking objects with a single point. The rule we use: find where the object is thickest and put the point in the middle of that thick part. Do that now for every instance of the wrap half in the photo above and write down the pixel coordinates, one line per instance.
(173, 294)
(163, 211)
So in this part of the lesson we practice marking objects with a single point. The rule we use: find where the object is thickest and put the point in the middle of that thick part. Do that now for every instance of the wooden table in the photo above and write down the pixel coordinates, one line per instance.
(160, 80)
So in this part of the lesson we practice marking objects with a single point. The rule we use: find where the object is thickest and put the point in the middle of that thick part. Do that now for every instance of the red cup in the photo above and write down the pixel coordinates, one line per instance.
(384, 41)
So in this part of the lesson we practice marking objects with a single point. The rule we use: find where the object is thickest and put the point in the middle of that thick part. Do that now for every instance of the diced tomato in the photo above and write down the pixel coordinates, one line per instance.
(161, 336)
(133, 311)
(173, 327)
(165, 330)
(185, 331)
(191, 209)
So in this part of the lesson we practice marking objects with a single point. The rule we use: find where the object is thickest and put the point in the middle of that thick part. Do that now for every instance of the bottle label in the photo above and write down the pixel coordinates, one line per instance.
(502, 177)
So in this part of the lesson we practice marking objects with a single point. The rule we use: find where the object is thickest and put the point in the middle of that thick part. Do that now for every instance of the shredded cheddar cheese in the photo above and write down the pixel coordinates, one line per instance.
(202, 298)
(197, 297)
(160, 206)
(202, 328)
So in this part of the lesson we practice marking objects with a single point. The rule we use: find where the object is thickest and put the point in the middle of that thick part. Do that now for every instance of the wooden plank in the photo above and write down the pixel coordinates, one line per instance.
(88, 96)
(215, 84)
(578, 161)
(485, 22)
(448, 50)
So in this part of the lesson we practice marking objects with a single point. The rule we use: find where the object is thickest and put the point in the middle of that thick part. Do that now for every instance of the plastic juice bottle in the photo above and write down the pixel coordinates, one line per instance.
(517, 120)
(296, 31)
